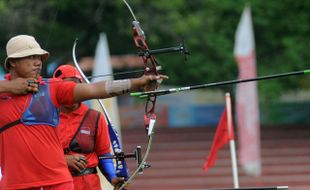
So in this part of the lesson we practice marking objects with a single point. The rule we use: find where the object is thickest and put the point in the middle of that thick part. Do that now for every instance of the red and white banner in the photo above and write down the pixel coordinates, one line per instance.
(247, 107)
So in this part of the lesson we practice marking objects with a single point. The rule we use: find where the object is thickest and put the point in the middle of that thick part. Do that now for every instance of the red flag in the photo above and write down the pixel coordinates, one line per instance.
(222, 137)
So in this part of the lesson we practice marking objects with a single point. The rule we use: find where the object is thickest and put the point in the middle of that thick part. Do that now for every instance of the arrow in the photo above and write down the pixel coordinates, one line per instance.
(116, 74)
(175, 90)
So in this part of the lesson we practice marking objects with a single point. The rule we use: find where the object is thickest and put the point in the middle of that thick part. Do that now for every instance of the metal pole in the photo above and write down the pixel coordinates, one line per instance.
(231, 141)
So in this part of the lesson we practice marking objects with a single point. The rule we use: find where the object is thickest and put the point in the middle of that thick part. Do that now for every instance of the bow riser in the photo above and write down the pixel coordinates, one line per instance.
(151, 67)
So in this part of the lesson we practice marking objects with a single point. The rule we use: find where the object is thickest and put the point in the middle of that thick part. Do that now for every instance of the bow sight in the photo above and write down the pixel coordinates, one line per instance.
(182, 48)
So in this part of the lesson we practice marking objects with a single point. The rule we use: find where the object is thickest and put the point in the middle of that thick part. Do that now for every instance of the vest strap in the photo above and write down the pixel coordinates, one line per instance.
(7, 126)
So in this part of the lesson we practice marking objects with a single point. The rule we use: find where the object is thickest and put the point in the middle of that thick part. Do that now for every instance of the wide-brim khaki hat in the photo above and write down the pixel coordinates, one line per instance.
(23, 46)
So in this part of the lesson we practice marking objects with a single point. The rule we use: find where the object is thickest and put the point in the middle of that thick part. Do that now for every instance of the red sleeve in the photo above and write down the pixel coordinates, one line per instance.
(62, 92)
(103, 145)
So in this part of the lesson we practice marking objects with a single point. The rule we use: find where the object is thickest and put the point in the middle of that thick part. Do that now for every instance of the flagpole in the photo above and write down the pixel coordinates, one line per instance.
(232, 140)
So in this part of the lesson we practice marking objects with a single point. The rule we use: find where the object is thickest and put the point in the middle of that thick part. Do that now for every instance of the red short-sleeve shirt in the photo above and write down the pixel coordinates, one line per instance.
(68, 126)
(32, 156)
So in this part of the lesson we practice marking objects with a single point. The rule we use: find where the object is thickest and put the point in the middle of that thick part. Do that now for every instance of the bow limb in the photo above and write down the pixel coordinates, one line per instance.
(76, 63)
(121, 166)
(84, 76)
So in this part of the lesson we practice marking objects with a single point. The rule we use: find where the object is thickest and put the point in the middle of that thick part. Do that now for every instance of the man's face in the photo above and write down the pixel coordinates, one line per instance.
(27, 67)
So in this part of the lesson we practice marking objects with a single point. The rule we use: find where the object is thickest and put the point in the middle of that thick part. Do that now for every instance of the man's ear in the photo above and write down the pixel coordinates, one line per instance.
(11, 63)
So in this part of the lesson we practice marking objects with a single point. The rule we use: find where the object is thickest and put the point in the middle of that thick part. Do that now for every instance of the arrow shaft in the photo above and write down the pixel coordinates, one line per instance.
(116, 74)
(248, 80)
(174, 90)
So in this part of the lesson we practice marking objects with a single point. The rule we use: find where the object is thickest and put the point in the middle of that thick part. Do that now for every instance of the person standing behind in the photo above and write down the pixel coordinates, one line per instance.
(84, 136)
(31, 155)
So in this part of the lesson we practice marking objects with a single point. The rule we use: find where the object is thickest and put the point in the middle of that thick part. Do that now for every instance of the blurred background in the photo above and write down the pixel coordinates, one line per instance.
(186, 121)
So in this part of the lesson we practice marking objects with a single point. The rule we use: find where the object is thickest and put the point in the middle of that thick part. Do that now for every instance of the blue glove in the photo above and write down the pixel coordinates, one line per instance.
(106, 167)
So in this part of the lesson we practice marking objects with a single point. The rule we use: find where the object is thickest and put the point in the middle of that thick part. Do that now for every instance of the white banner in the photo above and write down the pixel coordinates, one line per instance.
(247, 107)
(103, 66)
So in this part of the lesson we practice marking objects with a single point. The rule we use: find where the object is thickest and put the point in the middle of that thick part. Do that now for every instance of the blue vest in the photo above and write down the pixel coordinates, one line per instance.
(41, 110)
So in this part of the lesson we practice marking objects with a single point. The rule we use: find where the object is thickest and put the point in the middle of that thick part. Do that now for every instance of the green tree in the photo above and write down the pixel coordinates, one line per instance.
(207, 26)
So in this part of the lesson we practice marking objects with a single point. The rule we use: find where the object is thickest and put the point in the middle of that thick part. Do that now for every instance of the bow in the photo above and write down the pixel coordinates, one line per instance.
(151, 67)
(119, 155)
